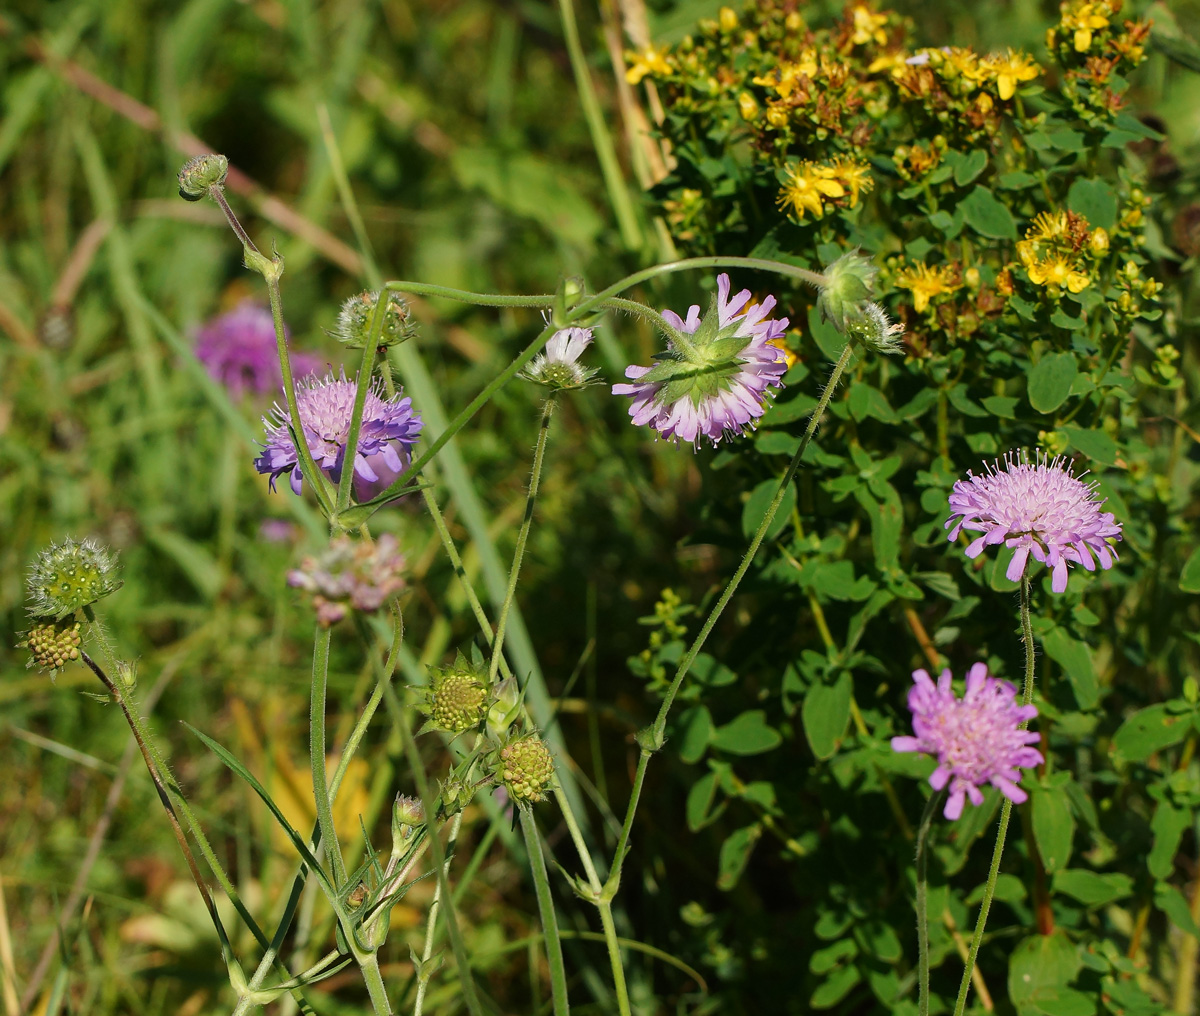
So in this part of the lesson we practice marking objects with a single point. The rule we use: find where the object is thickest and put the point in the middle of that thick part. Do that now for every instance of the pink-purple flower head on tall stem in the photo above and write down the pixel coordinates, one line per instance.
(389, 430)
(716, 374)
(350, 575)
(238, 349)
(1038, 509)
(978, 739)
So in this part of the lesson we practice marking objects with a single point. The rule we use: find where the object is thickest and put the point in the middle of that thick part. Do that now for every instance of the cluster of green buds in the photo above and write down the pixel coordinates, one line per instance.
(525, 768)
(354, 321)
(53, 644)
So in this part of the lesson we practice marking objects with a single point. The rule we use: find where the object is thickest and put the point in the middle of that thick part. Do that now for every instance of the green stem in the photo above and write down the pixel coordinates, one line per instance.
(539, 453)
(989, 888)
(541, 883)
(431, 925)
(606, 155)
(656, 733)
(369, 964)
(362, 386)
(316, 754)
(923, 904)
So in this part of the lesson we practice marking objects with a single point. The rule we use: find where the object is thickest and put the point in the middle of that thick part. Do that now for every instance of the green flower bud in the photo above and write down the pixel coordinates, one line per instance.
(69, 576)
(849, 283)
(354, 321)
(505, 707)
(407, 814)
(456, 700)
(201, 174)
(526, 768)
(52, 644)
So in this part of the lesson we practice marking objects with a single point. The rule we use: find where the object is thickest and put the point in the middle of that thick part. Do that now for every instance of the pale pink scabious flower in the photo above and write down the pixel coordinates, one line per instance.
(717, 384)
(976, 740)
(350, 575)
(1036, 508)
(238, 349)
(389, 430)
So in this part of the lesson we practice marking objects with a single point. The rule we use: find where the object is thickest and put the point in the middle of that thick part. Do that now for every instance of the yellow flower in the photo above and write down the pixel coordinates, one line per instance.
(1011, 70)
(1057, 272)
(961, 62)
(781, 342)
(807, 186)
(856, 176)
(1084, 20)
(868, 26)
(648, 61)
(747, 106)
(727, 18)
(777, 116)
(926, 283)
(786, 77)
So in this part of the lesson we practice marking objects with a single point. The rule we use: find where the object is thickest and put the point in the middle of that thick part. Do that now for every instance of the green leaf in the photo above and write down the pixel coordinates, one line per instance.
(865, 400)
(987, 215)
(1092, 889)
(835, 988)
(1167, 826)
(887, 526)
(755, 508)
(1050, 381)
(825, 714)
(970, 166)
(1170, 901)
(1095, 444)
(695, 731)
(735, 855)
(1002, 406)
(700, 799)
(1076, 660)
(1150, 730)
(1095, 200)
(776, 442)
(1189, 578)
(747, 734)
(1040, 968)
(1053, 826)
(824, 960)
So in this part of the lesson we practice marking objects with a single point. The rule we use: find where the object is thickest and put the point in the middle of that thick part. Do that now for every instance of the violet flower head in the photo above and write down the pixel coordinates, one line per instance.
(715, 379)
(350, 575)
(1036, 508)
(389, 430)
(238, 350)
(977, 739)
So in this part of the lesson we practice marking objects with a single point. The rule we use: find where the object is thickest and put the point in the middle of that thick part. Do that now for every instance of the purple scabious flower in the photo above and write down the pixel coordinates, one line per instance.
(715, 381)
(350, 575)
(389, 430)
(1037, 508)
(558, 367)
(977, 739)
(238, 349)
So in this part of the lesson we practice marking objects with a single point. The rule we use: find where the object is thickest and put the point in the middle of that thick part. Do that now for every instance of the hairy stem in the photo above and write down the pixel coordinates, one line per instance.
(541, 884)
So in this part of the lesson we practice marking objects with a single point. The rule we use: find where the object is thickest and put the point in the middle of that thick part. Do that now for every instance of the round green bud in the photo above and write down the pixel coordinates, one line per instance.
(847, 289)
(526, 768)
(457, 701)
(68, 576)
(201, 174)
(354, 321)
(53, 644)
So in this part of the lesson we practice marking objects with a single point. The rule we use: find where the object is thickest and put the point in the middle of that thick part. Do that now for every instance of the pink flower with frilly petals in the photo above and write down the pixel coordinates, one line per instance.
(978, 739)
(1039, 509)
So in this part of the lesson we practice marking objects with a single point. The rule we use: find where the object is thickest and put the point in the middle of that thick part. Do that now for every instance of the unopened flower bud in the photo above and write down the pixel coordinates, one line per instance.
(847, 289)
(747, 106)
(407, 814)
(52, 644)
(201, 174)
(526, 768)
(1099, 241)
(727, 18)
(570, 291)
(354, 321)
(69, 576)
(505, 707)
(456, 700)
(126, 672)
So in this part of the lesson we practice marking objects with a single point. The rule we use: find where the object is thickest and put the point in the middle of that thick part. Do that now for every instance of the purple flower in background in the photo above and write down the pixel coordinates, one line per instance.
(238, 349)
(389, 430)
(716, 381)
(1036, 508)
(350, 575)
(977, 739)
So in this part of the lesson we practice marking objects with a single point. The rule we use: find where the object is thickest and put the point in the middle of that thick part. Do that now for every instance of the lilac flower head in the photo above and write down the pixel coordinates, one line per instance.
(715, 381)
(389, 430)
(350, 575)
(238, 350)
(977, 739)
(1037, 508)
(557, 366)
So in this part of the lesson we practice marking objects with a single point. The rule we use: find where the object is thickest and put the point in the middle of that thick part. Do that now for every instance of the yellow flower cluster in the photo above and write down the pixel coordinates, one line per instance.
(1083, 18)
(868, 27)
(649, 61)
(1054, 251)
(809, 186)
(925, 283)
(1005, 70)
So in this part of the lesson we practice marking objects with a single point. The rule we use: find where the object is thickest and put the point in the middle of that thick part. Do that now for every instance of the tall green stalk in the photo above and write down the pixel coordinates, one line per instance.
(541, 884)
(989, 888)
(931, 807)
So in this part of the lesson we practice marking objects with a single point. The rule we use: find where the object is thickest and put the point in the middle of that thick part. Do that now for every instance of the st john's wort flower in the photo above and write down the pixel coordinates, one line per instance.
(557, 366)
(350, 575)
(389, 430)
(1037, 509)
(238, 350)
(715, 381)
(978, 739)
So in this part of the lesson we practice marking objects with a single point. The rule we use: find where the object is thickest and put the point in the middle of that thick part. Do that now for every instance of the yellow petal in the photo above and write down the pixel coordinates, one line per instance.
(1077, 282)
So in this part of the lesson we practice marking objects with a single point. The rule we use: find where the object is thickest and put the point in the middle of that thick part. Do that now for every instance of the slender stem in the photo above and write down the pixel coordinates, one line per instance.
(369, 964)
(362, 386)
(316, 754)
(431, 924)
(923, 905)
(539, 453)
(541, 883)
(989, 888)
(218, 195)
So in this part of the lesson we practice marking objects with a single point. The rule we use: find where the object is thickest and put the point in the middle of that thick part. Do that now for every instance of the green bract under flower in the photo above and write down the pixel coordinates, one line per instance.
(847, 291)
(69, 576)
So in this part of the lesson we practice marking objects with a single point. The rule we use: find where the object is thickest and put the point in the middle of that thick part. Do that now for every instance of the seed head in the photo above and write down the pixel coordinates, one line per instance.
(526, 768)
(52, 644)
(200, 175)
(457, 699)
(354, 321)
(68, 576)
